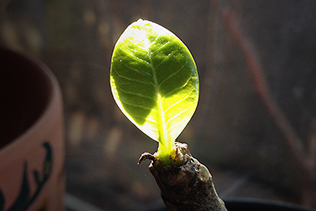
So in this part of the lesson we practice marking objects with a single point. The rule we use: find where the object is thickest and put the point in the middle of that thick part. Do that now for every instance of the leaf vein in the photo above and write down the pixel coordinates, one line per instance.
(132, 79)
(179, 88)
(140, 60)
(178, 114)
(179, 101)
(175, 73)
(135, 105)
(136, 94)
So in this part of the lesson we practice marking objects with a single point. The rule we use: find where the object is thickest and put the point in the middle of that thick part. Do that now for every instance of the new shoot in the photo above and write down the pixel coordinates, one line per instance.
(155, 83)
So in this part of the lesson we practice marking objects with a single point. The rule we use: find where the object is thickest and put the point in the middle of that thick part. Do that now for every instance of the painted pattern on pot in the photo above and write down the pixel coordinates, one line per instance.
(25, 198)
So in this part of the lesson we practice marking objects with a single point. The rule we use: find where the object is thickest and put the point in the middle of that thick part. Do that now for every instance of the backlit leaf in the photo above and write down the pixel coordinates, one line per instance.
(154, 81)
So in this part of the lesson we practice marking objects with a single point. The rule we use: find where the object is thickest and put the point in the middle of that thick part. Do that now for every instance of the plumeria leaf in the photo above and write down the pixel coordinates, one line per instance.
(154, 81)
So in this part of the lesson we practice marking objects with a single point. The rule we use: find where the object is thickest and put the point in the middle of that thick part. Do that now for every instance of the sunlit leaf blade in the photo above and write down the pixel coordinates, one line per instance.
(154, 81)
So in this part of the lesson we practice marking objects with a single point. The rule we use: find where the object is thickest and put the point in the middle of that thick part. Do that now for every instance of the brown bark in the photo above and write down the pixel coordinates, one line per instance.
(185, 187)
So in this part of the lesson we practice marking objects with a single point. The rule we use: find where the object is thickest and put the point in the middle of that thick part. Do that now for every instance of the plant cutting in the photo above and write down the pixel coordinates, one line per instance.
(155, 83)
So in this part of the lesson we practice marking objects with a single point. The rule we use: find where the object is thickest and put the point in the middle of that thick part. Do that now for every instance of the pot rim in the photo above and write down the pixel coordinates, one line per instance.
(55, 98)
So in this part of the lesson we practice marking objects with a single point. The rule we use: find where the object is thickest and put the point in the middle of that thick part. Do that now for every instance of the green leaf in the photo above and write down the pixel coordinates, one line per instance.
(154, 81)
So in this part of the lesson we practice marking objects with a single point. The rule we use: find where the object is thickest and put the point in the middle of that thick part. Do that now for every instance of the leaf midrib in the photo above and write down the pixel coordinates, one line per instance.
(161, 123)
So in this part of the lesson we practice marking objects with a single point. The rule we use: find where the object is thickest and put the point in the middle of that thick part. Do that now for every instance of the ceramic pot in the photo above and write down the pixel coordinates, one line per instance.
(31, 135)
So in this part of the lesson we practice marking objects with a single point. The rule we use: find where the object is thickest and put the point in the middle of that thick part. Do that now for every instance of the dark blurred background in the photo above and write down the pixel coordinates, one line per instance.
(231, 132)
